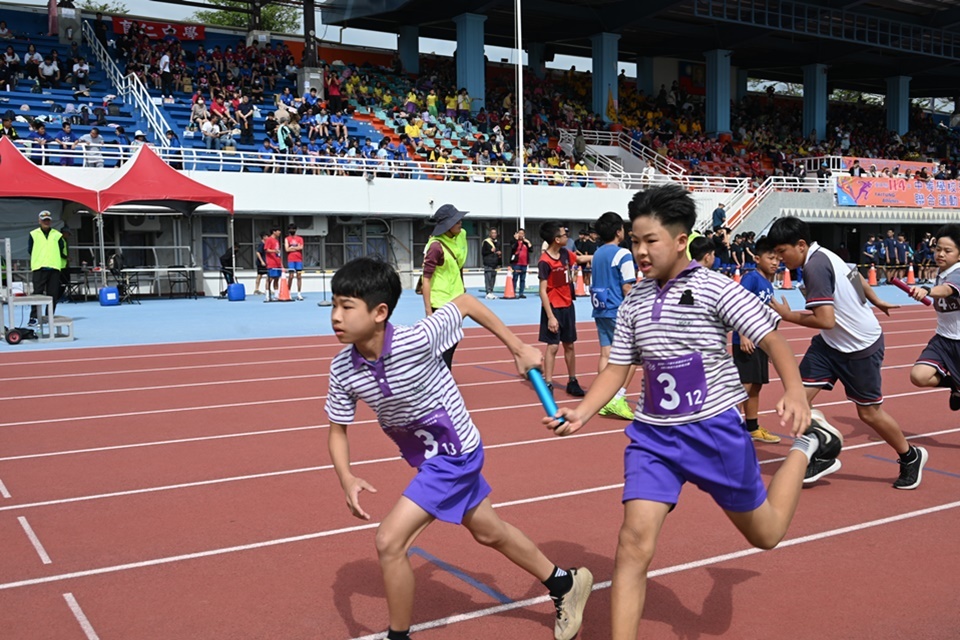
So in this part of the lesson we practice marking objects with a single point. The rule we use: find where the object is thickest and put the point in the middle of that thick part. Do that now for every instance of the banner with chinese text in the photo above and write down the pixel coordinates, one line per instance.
(158, 30)
(886, 192)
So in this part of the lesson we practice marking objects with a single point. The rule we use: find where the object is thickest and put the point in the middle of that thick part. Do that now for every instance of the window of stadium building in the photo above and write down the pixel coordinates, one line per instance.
(246, 232)
(351, 238)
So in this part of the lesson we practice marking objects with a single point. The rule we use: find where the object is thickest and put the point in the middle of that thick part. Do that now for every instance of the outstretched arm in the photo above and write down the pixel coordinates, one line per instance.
(526, 357)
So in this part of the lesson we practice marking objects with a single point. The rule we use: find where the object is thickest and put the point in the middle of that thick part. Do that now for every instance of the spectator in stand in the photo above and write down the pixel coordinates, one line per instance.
(856, 170)
(67, 140)
(7, 130)
(244, 113)
(40, 142)
(100, 30)
(92, 144)
(31, 62)
(210, 129)
(5, 33)
(198, 112)
(174, 154)
(49, 73)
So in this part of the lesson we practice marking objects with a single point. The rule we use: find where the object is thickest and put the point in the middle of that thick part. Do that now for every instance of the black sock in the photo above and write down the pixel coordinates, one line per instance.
(909, 456)
(753, 424)
(398, 635)
(559, 582)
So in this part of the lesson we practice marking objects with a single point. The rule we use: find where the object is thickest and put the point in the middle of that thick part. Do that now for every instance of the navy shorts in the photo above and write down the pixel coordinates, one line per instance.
(605, 327)
(823, 365)
(754, 368)
(943, 354)
(715, 454)
(447, 488)
(567, 319)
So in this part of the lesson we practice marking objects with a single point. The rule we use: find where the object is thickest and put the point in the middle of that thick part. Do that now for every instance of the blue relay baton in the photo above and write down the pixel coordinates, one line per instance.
(546, 397)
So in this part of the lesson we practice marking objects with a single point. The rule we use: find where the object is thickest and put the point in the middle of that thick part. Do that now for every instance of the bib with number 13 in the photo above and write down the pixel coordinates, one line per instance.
(674, 386)
(431, 435)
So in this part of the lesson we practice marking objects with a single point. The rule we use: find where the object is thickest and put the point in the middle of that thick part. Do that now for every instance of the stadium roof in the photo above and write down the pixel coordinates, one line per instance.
(861, 41)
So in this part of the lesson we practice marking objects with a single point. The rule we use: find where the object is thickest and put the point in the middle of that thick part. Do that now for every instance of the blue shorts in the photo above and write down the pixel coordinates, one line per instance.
(447, 488)
(294, 265)
(823, 365)
(274, 273)
(605, 328)
(715, 454)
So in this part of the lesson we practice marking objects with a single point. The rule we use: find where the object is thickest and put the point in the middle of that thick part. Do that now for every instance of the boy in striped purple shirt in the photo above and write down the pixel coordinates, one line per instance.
(400, 373)
(674, 324)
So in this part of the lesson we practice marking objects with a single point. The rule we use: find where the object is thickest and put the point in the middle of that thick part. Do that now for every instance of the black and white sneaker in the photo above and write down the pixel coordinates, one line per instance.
(825, 461)
(955, 400)
(912, 472)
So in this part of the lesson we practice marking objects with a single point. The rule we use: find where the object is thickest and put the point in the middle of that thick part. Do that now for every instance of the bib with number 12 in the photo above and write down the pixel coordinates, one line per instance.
(674, 386)
(429, 436)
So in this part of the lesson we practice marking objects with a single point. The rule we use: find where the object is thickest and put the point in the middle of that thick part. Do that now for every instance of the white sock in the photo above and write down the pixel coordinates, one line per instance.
(621, 393)
(807, 445)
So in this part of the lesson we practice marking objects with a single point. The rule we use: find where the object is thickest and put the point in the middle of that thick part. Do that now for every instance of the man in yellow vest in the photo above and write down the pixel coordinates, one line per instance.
(443, 261)
(48, 254)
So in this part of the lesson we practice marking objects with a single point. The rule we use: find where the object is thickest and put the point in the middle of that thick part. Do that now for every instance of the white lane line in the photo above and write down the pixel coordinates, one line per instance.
(276, 474)
(328, 467)
(697, 564)
(34, 540)
(81, 617)
(248, 547)
(3, 491)
(319, 397)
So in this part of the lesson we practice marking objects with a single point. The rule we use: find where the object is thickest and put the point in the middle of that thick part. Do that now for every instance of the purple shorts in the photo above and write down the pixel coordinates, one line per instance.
(447, 488)
(716, 454)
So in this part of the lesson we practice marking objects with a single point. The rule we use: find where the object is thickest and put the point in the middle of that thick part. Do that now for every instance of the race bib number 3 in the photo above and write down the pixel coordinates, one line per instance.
(674, 386)
(431, 435)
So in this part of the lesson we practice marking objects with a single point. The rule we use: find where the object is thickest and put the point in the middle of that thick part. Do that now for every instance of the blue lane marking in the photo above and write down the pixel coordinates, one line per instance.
(502, 373)
(925, 469)
(473, 582)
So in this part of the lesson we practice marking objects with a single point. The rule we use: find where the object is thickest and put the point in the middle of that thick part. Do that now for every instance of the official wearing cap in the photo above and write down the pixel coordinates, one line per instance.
(48, 254)
(443, 260)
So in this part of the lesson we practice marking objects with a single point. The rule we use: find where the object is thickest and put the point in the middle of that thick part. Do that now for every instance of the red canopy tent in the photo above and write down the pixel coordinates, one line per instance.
(146, 179)
(20, 178)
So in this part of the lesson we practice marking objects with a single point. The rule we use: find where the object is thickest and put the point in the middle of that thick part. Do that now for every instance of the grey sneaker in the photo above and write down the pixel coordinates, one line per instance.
(571, 604)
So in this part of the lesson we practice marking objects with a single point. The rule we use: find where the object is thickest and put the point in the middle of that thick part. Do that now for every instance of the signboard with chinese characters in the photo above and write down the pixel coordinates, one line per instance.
(886, 192)
(160, 30)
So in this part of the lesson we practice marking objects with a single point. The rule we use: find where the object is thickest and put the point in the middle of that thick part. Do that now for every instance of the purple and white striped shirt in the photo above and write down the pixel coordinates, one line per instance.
(677, 327)
(407, 384)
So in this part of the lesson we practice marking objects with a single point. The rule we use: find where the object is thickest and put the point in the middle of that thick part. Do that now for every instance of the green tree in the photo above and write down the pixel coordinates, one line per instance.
(115, 8)
(274, 18)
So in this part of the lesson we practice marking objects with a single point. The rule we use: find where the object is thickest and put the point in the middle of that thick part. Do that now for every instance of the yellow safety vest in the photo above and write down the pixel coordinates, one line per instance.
(46, 250)
(447, 283)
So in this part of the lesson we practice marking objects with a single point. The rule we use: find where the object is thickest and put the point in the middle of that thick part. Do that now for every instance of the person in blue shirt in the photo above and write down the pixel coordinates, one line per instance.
(869, 255)
(719, 217)
(753, 365)
(890, 256)
(614, 274)
(67, 140)
(173, 154)
(286, 97)
(40, 144)
(904, 254)
(338, 126)
(311, 97)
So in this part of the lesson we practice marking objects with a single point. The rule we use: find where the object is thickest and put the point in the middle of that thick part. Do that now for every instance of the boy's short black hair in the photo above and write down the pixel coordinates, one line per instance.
(789, 230)
(670, 204)
(550, 230)
(764, 245)
(700, 246)
(608, 225)
(951, 231)
(274, 229)
(369, 279)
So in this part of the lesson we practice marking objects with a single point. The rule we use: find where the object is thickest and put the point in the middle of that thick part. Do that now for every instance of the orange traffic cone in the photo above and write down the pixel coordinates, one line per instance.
(787, 282)
(736, 276)
(284, 295)
(911, 278)
(872, 276)
(581, 291)
(508, 292)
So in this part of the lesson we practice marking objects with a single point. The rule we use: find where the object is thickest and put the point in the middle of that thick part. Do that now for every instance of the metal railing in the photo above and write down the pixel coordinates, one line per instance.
(129, 87)
(781, 184)
(621, 139)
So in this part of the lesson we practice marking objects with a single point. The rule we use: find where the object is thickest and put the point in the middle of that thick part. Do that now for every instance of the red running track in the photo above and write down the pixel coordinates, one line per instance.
(185, 491)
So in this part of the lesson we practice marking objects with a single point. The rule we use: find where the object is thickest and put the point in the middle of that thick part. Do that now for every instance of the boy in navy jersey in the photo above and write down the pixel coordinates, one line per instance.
(674, 324)
(752, 363)
(400, 373)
